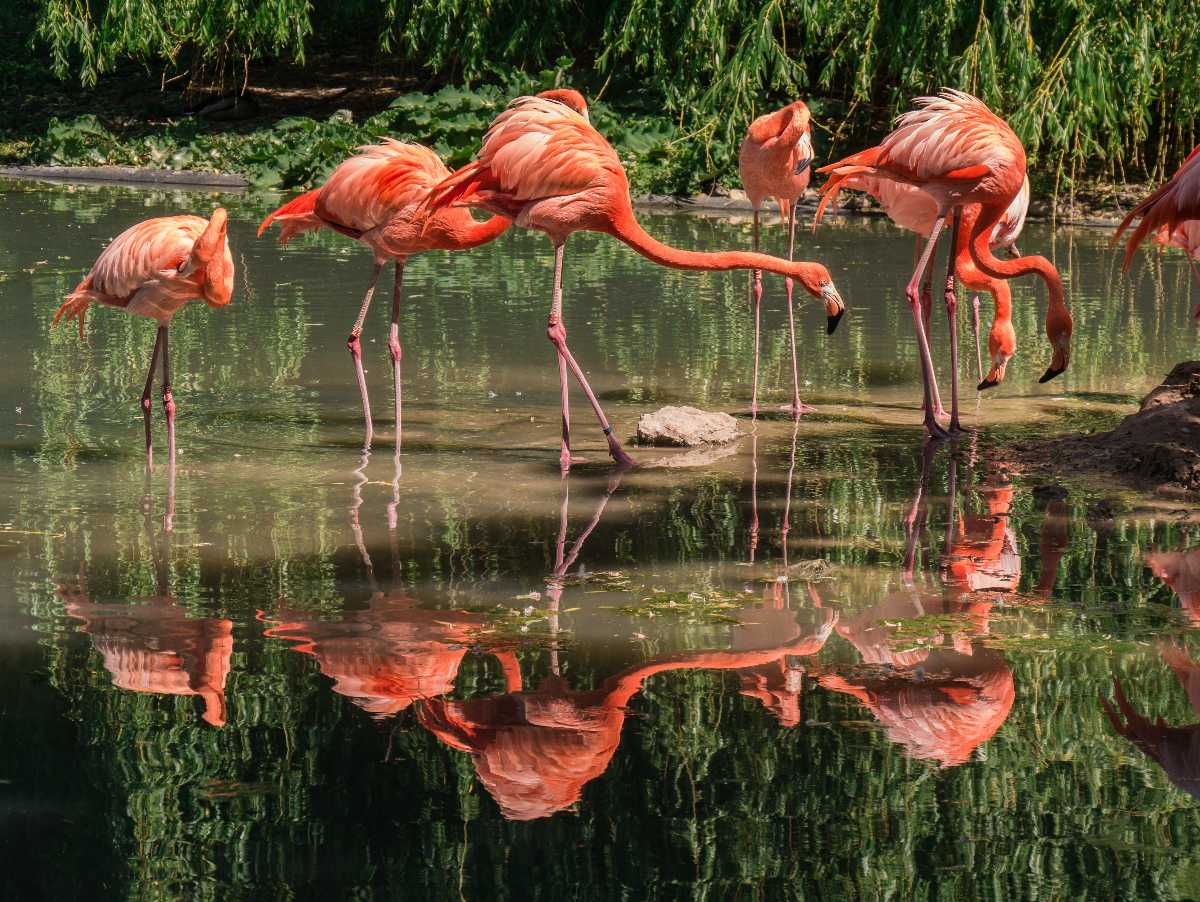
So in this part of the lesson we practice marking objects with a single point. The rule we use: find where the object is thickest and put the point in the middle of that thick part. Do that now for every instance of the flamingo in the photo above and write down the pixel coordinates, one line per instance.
(914, 210)
(543, 166)
(376, 198)
(153, 269)
(775, 160)
(1171, 214)
(961, 153)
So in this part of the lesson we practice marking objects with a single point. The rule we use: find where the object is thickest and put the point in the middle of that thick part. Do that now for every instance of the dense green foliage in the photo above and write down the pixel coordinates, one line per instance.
(1105, 88)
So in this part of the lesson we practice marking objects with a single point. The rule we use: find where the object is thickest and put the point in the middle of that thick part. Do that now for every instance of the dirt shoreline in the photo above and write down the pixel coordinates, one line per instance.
(1155, 449)
(727, 202)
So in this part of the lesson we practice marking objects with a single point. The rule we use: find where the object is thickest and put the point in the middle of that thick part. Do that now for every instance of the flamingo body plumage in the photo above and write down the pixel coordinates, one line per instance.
(377, 197)
(153, 269)
(545, 167)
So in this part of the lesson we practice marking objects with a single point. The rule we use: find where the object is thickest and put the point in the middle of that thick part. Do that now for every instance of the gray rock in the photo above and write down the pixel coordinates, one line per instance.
(686, 427)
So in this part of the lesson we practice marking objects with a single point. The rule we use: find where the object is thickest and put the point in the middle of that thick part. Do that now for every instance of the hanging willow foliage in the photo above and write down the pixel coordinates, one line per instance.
(1090, 86)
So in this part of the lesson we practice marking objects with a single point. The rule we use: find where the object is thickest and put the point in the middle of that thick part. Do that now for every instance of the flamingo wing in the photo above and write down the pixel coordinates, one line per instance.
(142, 252)
(378, 183)
(1173, 204)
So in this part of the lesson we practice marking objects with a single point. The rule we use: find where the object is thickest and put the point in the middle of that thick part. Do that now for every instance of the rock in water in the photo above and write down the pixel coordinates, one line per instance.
(686, 427)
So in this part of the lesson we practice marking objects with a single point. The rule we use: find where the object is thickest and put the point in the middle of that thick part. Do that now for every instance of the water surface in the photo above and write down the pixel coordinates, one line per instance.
(822, 662)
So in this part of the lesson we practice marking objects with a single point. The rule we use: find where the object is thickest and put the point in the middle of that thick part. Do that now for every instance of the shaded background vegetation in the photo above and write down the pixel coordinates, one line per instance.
(1097, 90)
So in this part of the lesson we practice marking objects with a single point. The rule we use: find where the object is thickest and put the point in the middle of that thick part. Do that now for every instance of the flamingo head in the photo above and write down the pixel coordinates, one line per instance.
(570, 98)
(211, 258)
(1002, 344)
(816, 281)
(1058, 329)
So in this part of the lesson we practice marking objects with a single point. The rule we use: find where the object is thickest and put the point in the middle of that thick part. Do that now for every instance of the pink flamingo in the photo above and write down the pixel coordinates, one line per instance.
(775, 160)
(376, 197)
(914, 210)
(543, 166)
(961, 153)
(1171, 214)
(152, 269)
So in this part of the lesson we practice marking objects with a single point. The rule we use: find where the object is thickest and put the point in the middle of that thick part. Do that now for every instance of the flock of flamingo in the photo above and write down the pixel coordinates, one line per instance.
(543, 166)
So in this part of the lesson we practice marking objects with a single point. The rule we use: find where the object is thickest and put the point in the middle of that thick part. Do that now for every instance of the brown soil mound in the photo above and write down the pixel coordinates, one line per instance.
(1158, 447)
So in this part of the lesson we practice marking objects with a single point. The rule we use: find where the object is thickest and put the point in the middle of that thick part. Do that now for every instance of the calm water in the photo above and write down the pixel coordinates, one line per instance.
(448, 673)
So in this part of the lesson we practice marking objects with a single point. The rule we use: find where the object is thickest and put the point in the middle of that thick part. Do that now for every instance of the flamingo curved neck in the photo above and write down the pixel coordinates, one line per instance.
(989, 264)
(625, 227)
(482, 232)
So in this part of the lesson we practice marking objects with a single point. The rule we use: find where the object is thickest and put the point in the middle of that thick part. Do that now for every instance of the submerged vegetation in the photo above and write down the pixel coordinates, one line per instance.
(1094, 90)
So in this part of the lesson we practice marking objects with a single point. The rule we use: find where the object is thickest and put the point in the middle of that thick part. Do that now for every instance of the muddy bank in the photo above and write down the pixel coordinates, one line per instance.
(1156, 448)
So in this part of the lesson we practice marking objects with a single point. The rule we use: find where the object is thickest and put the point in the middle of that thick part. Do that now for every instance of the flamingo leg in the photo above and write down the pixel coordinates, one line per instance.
(927, 316)
(158, 338)
(915, 518)
(975, 325)
(951, 297)
(168, 400)
(914, 303)
(797, 407)
(753, 494)
(756, 285)
(558, 337)
(354, 344)
(394, 343)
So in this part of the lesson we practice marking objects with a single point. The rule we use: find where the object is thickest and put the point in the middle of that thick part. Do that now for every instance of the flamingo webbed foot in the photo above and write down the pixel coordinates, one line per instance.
(797, 409)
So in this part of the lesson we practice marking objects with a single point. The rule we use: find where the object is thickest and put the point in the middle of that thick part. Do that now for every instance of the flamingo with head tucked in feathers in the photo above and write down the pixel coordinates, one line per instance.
(961, 153)
(376, 197)
(544, 166)
(775, 160)
(153, 269)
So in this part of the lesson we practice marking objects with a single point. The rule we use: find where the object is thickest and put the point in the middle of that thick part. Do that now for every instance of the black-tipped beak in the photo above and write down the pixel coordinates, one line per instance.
(986, 384)
(1050, 373)
(801, 165)
(831, 323)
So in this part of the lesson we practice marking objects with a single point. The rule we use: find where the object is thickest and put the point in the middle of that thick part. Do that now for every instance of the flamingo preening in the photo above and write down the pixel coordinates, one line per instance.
(1171, 214)
(543, 166)
(775, 160)
(961, 153)
(153, 269)
(377, 198)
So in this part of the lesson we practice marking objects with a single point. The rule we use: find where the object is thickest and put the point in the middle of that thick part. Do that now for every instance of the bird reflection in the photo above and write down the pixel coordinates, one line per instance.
(536, 750)
(1181, 571)
(940, 701)
(1175, 749)
(154, 646)
(389, 655)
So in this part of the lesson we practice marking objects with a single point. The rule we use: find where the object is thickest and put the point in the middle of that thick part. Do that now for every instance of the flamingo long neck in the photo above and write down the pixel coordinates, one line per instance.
(989, 264)
(625, 227)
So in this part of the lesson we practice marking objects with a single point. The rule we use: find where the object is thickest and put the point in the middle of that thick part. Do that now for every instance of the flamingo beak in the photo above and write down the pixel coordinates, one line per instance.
(835, 307)
(987, 383)
(1051, 372)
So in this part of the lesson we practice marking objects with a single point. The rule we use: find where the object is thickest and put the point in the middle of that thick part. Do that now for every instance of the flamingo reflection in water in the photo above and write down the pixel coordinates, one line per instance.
(940, 703)
(1175, 749)
(156, 647)
(1181, 571)
(536, 750)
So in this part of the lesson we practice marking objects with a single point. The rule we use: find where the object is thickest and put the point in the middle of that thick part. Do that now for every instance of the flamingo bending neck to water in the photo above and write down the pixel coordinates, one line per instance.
(376, 197)
(775, 160)
(961, 153)
(543, 166)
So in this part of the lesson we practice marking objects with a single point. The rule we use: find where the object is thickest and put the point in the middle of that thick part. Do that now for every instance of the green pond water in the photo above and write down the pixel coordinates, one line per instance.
(822, 662)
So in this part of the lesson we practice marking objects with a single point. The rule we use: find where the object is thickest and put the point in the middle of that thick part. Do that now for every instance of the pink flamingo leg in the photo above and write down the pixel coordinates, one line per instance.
(558, 336)
(914, 521)
(394, 344)
(951, 297)
(354, 344)
(756, 283)
(975, 325)
(797, 408)
(914, 303)
(753, 494)
(168, 400)
(927, 317)
(158, 338)
(564, 455)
